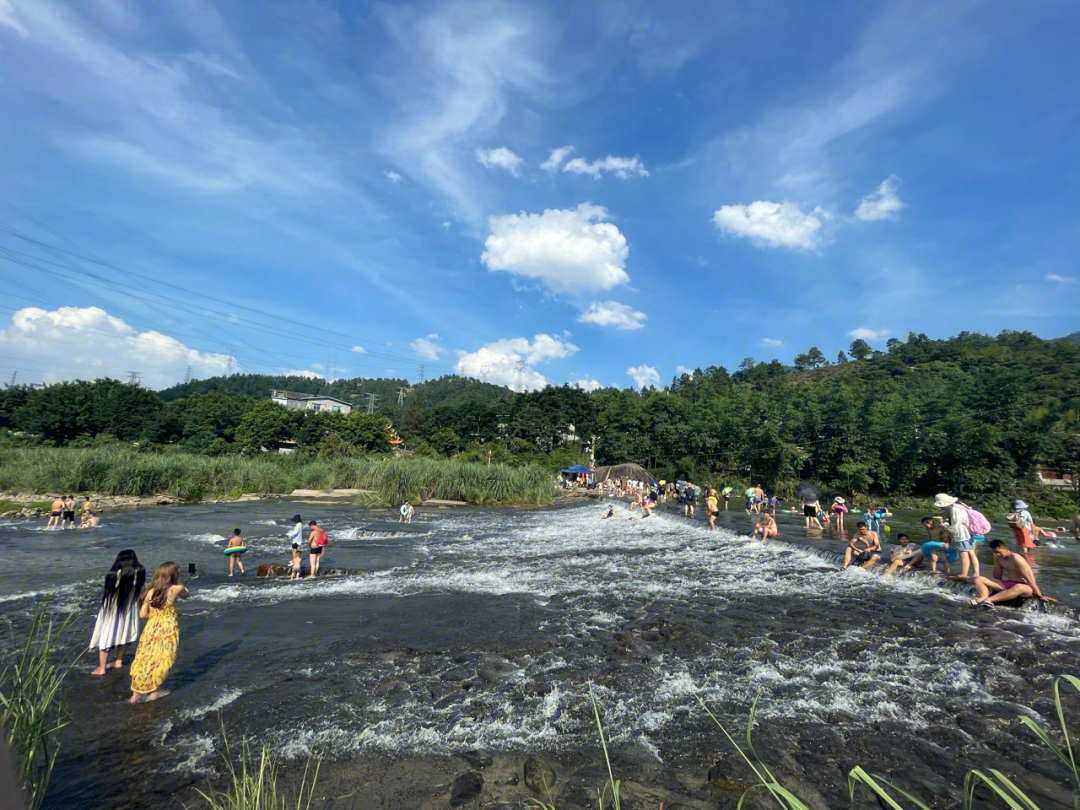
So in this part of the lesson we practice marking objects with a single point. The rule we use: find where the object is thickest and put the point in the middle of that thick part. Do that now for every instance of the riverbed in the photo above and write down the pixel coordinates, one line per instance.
(473, 643)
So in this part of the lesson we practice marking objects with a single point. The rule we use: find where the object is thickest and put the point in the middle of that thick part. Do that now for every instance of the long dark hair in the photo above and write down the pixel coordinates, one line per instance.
(124, 582)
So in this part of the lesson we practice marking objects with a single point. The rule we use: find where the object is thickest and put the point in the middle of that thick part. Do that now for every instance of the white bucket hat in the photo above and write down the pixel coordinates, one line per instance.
(838, 499)
(941, 500)
(1019, 504)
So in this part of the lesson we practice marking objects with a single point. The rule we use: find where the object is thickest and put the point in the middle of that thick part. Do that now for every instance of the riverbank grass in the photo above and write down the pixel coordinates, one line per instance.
(31, 709)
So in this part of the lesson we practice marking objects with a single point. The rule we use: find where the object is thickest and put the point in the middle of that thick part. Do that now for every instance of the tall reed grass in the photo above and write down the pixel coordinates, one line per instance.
(126, 472)
(31, 710)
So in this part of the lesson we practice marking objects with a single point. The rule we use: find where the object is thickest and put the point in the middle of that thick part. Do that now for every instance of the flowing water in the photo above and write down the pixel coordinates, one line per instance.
(472, 643)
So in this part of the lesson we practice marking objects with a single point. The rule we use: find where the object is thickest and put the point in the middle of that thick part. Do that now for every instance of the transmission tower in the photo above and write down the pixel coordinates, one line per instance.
(484, 371)
(332, 369)
(14, 374)
(133, 377)
(519, 377)
(228, 368)
(401, 392)
(187, 375)
(372, 402)
(421, 372)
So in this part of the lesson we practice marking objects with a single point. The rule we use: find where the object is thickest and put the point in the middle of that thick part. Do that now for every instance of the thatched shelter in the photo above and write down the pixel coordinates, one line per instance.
(623, 471)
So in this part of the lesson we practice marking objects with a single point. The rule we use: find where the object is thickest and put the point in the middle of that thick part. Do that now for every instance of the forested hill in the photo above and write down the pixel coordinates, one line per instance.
(970, 414)
(447, 391)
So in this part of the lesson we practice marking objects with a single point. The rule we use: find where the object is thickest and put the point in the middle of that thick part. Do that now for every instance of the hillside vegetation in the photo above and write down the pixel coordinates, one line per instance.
(971, 414)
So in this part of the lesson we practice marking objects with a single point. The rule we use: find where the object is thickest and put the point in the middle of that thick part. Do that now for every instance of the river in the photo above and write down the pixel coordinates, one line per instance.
(472, 643)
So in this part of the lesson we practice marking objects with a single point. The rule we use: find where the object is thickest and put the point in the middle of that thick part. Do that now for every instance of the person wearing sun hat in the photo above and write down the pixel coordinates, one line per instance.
(960, 528)
(1022, 524)
(839, 508)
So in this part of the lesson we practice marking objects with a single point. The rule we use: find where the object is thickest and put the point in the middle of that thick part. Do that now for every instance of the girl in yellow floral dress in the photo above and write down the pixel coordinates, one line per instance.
(160, 636)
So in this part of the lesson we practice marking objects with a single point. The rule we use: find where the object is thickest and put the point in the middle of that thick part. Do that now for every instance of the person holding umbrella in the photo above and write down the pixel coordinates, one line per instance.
(808, 497)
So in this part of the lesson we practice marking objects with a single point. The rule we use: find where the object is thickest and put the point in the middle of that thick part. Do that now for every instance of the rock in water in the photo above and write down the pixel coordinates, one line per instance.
(466, 788)
(539, 776)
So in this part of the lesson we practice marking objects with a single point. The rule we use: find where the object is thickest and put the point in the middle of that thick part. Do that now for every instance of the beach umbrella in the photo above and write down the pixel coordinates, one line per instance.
(809, 491)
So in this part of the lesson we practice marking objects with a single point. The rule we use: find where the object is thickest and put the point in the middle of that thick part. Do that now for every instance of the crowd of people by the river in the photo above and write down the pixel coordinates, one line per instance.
(951, 538)
(62, 513)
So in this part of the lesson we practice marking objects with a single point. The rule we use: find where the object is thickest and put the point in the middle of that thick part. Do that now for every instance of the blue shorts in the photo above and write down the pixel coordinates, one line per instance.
(964, 545)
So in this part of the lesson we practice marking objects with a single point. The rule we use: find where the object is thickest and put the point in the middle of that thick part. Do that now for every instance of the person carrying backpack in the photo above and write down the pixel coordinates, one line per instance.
(966, 525)
(317, 541)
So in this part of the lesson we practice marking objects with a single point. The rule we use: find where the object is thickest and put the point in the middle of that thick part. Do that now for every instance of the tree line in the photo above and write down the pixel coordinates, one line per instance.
(969, 414)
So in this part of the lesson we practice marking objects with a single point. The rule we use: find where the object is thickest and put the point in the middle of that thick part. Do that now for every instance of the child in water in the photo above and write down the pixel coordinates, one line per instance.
(295, 561)
(236, 541)
(609, 514)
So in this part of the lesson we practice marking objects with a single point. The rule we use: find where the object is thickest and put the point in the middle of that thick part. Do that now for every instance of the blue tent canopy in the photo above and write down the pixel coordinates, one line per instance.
(578, 468)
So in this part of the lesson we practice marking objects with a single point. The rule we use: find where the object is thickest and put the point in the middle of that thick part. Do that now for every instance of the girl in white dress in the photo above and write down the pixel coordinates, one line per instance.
(118, 617)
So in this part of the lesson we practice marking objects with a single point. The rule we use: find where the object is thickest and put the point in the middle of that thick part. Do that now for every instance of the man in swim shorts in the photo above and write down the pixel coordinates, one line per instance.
(55, 513)
(766, 526)
(689, 499)
(1012, 578)
(863, 549)
(937, 533)
(68, 515)
(907, 555)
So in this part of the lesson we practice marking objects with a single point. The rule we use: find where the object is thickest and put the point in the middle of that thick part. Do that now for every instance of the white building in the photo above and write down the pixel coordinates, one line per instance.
(310, 402)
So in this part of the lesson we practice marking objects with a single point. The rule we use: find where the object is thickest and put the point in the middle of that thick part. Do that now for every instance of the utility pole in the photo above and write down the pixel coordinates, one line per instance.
(133, 377)
(421, 372)
(187, 375)
(372, 402)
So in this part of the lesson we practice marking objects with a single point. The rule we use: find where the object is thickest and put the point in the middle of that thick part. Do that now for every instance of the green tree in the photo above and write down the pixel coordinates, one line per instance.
(262, 427)
(859, 349)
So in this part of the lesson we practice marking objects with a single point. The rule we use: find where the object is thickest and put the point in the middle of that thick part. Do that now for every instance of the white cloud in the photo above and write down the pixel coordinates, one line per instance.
(556, 158)
(873, 335)
(588, 384)
(393, 177)
(644, 375)
(500, 360)
(359, 349)
(680, 370)
(772, 342)
(569, 250)
(1061, 279)
(883, 203)
(611, 313)
(7, 17)
(86, 343)
(768, 223)
(621, 167)
(426, 348)
(304, 372)
(501, 158)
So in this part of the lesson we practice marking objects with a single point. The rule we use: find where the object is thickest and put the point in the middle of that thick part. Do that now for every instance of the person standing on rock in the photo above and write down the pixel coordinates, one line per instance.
(960, 528)
(56, 513)
(296, 534)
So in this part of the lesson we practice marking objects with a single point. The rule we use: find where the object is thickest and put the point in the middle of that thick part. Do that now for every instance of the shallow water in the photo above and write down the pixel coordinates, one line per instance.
(484, 632)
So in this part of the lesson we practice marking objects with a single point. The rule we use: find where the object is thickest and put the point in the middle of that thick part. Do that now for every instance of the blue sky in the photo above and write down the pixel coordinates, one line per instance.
(602, 193)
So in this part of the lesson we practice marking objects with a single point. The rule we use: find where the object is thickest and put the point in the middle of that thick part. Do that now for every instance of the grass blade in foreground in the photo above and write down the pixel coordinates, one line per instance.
(857, 775)
(607, 759)
(1001, 785)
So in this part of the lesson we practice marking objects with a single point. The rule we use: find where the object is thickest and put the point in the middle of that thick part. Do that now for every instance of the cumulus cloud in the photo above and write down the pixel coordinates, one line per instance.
(86, 343)
(501, 158)
(1061, 279)
(569, 250)
(498, 362)
(772, 342)
(862, 333)
(621, 167)
(588, 384)
(393, 177)
(644, 375)
(883, 203)
(556, 158)
(680, 370)
(358, 349)
(304, 372)
(773, 224)
(611, 313)
(426, 348)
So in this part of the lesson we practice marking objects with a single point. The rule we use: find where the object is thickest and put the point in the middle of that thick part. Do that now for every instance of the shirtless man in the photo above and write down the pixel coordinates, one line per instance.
(68, 514)
(937, 533)
(1076, 527)
(870, 552)
(759, 498)
(55, 513)
(646, 510)
(89, 519)
(766, 526)
(907, 555)
(1012, 578)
